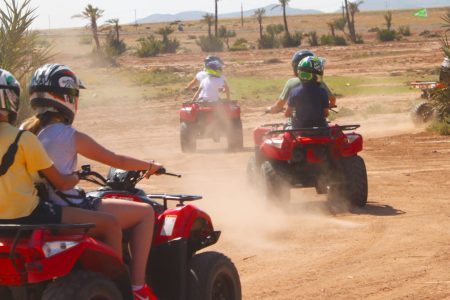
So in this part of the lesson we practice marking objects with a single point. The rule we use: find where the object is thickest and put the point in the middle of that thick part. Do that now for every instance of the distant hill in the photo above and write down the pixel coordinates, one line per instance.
(402, 4)
(198, 15)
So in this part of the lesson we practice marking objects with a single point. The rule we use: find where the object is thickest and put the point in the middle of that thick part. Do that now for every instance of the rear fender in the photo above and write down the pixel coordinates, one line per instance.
(188, 113)
(258, 135)
(179, 222)
(351, 145)
(278, 148)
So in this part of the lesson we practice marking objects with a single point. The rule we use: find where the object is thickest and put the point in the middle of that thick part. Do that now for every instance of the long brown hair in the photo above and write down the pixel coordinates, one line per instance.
(35, 123)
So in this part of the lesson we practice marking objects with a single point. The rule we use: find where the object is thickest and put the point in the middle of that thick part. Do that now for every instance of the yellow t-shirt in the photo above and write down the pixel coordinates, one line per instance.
(18, 197)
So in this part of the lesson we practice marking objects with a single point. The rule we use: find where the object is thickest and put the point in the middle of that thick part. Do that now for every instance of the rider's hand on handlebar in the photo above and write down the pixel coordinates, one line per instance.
(153, 169)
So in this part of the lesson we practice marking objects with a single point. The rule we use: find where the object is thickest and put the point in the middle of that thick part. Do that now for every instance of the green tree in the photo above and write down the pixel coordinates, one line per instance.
(92, 14)
(208, 19)
(283, 4)
(388, 19)
(226, 34)
(259, 14)
(20, 50)
(351, 8)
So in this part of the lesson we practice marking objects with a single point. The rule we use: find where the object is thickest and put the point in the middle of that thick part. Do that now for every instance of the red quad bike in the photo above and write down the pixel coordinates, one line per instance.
(324, 158)
(60, 262)
(210, 120)
(423, 111)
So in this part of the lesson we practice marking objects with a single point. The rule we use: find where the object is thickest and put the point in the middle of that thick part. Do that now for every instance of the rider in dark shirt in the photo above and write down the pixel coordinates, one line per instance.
(309, 100)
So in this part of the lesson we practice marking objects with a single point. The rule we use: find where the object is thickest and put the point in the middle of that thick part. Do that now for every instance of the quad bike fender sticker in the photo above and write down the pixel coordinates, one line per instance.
(169, 223)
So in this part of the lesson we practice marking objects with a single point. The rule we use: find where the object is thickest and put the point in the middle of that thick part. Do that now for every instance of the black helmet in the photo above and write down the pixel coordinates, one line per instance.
(298, 56)
(56, 86)
(9, 94)
(210, 58)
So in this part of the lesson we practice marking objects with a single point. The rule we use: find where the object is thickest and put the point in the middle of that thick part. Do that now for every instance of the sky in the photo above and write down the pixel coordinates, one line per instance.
(58, 13)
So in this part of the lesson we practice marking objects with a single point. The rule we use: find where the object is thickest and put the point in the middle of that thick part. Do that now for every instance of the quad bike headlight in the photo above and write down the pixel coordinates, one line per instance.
(53, 248)
(277, 143)
(351, 138)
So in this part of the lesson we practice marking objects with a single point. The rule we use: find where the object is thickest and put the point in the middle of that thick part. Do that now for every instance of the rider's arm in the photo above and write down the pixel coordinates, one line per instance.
(289, 111)
(89, 148)
(227, 90)
(59, 181)
(282, 99)
(326, 112)
(196, 94)
(191, 84)
(277, 107)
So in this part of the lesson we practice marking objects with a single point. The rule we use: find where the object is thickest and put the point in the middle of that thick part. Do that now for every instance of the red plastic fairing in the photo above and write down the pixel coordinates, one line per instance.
(258, 134)
(278, 148)
(88, 252)
(188, 112)
(352, 144)
(177, 223)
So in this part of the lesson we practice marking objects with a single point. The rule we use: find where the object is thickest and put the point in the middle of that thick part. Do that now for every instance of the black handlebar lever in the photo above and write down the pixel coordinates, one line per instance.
(162, 171)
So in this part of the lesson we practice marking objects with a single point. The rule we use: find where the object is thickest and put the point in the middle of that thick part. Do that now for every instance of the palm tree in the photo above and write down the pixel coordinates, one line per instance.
(116, 26)
(283, 4)
(92, 14)
(208, 19)
(259, 14)
(351, 8)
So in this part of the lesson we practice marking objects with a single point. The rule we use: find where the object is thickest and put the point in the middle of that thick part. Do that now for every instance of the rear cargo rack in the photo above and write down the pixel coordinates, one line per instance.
(315, 130)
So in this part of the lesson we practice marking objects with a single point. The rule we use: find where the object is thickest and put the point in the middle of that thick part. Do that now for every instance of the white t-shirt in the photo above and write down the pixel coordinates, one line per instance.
(210, 88)
(202, 75)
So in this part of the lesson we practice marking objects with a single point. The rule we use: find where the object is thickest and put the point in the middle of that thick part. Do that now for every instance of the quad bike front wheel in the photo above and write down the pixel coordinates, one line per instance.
(5, 293)
(353, 183)
(82, 285)
(422, 113)
(188, 140)
(213, 276)
(275, 186)
(235, 135)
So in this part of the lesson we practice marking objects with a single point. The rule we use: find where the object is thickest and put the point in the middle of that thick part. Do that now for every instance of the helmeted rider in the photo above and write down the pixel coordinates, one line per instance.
(444, 73)
(23, 160)
(294, 82)
(54, 94)
(211, 86)
(203, 73)
(309, 99)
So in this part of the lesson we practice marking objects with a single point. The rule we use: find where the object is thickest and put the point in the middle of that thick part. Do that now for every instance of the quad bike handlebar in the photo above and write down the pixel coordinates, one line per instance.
(116, 177)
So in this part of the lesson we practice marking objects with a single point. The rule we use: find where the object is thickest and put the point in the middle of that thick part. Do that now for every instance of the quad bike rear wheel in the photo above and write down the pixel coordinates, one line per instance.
(213, 277)
(422, 113)
(5, 293)
(82, 285)
(188, 140)
(235, 135)
(274, 184)
(353, 187)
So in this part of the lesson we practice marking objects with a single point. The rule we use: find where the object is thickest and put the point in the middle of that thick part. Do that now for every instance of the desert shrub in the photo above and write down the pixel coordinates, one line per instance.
(373, 29)
(327, 39)
(291, 40)
(441, 126)
(170, 45)
(148, 46)
(404, 30)
(313, 39)
(386, 35)
(85, 40)
(340, 41)
(440, 100)
(210, 44)
(429, 34)
(359, 39)
(268, 42)
(272, 61)
(114, 47)
(239, 45)
(274, 29)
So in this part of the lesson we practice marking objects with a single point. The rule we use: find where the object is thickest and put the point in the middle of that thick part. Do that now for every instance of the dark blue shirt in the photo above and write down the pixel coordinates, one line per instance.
(309, 101)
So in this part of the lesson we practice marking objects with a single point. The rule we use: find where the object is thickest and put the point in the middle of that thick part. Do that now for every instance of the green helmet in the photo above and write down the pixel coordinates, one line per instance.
(310, 66)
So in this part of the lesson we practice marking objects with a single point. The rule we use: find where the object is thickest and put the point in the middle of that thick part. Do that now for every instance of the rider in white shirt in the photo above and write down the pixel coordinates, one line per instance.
(212, 84)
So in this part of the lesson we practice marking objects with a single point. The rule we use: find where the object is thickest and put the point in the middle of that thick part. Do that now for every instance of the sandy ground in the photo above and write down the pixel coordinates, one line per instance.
(395, 248)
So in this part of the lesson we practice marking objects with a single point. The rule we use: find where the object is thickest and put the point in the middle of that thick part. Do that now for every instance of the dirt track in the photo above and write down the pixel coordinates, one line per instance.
(395, 248)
